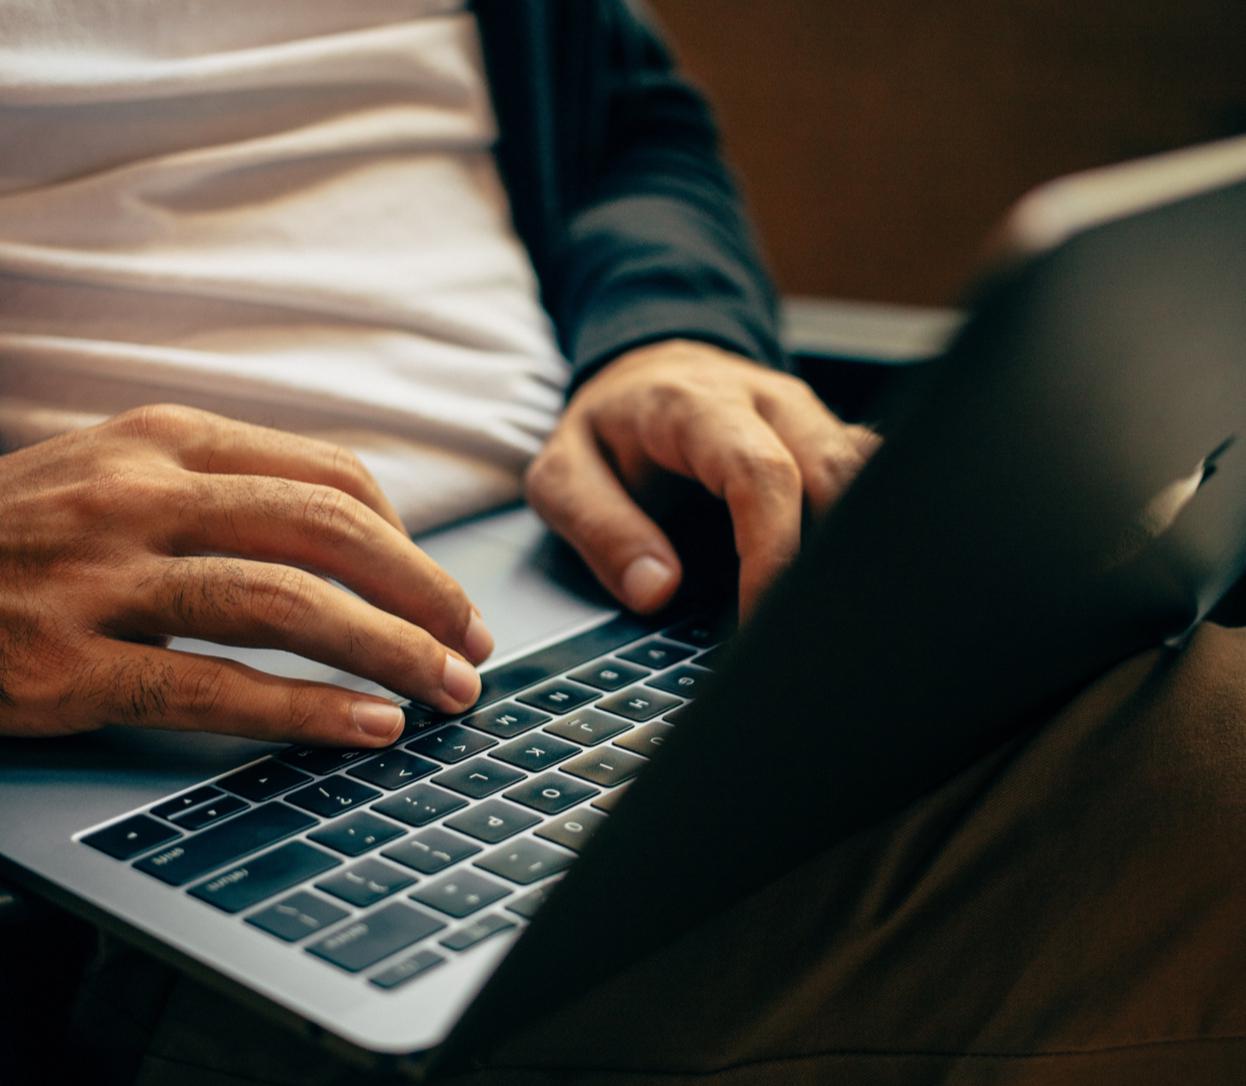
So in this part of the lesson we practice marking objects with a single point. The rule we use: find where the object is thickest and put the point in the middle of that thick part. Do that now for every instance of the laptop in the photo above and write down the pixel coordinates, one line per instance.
(1065, 486)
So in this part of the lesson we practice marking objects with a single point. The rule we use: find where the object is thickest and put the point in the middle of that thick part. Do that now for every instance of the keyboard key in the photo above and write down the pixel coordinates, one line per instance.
(712, 659)
(551, 793)
(609, 675)
(506, 720)
(356, 833)
(478, 778)
(535, 752)
(638, 703)
(476, 932)
(527, 905)
(366, 882)
(451, 744)
(419, 718)
(588, 727)
(677, 713)
(297, 916)
(606, 766)
(460, 893)
(175, 806)
(525, 862)
(573, 829)
(493, 821)
(503, 682)
(608, 801)
(320, 760)
(125, 840)
(686, 681)
(646, 739)
(419, 805)
(431, 851)
(559, 696)
(393, 769)
(375, 936)
(194, 857)
(699, 633)
(263, 780)
(265, 876)
(405, 969)
(198, 817)
(656, 653)
(332, 795)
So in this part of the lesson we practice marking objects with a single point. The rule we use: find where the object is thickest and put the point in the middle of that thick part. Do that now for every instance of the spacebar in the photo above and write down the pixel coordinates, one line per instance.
(191, 857)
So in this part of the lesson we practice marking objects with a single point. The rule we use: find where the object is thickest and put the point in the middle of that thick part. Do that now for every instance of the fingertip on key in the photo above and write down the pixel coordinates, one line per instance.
(647, 583)
(460, 681)
(377, 720)
(477, 641)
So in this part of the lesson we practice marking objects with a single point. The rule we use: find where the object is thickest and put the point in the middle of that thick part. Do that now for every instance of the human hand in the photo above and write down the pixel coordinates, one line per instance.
(758, 439)
(168, 521)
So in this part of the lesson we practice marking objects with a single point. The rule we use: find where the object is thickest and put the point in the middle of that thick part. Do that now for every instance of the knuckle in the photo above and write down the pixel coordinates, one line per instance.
(345, 463)
(415, 651)
(122, 489)
(546, 474)
(143, 690)
(776, 390)
(677, 391)
(329, 512)
(305, 714)
(203, 691)
(32, 666)
(447, 590)
(845, 464)
(866, 441)
(159, 422)
(771, 469)
(280, 598)
(679, 400)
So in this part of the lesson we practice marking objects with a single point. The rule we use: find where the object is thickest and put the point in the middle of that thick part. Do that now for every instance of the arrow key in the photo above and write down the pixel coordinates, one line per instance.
(263, 780)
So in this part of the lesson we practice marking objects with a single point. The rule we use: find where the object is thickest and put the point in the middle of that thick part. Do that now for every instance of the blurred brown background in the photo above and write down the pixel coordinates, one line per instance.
(879, 140)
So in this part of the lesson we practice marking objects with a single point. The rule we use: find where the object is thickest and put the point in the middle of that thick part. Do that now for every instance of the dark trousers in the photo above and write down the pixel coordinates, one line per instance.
(1071, 909)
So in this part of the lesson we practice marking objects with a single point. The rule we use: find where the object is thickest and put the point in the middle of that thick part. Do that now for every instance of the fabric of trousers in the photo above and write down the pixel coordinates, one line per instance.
(1069, 909)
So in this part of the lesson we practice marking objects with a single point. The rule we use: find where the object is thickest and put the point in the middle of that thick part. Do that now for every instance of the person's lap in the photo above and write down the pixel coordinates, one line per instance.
(1069, 909)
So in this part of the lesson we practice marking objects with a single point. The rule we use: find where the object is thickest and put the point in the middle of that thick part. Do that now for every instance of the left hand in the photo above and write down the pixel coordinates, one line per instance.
(760, 440)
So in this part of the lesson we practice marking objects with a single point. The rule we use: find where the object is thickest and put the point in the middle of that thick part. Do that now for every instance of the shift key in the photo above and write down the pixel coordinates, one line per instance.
(375, 936)
(194, 856)
(252, 881)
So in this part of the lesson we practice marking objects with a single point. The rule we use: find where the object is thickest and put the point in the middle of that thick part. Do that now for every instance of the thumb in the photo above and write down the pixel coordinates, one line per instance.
(578, 495)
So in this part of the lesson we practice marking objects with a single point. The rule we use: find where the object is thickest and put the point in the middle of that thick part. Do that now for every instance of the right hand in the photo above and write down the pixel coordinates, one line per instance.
(167, 521)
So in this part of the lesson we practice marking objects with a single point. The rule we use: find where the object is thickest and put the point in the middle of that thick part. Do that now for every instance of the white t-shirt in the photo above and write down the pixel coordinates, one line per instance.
(285, 212)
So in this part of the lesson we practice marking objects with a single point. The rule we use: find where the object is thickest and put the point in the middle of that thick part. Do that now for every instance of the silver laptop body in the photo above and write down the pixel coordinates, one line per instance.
(1068, 487)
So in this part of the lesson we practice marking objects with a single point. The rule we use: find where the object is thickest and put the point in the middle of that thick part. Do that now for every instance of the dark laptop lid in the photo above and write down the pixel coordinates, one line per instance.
(1066, 487)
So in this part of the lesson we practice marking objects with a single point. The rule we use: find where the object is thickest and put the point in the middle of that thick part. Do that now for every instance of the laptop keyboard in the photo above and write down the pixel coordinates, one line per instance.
(387, 864)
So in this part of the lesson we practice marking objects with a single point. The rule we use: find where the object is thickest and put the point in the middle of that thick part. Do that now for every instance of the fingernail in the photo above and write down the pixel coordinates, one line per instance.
(376, 719)
(478, 641)
(460, 680)
(646, 582)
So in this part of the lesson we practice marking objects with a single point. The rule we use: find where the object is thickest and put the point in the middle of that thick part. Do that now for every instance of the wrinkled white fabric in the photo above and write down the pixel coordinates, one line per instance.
(287, 213)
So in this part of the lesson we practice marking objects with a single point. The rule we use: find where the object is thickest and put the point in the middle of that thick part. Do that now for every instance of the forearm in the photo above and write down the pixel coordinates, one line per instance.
(656, 244)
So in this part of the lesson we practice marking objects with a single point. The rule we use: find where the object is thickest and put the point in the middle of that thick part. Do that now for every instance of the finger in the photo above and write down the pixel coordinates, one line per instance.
(735, 454)
(205, 442)
(262, 605)
(573, 488)
(328, 531)
(161, 688)
(829, 453)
